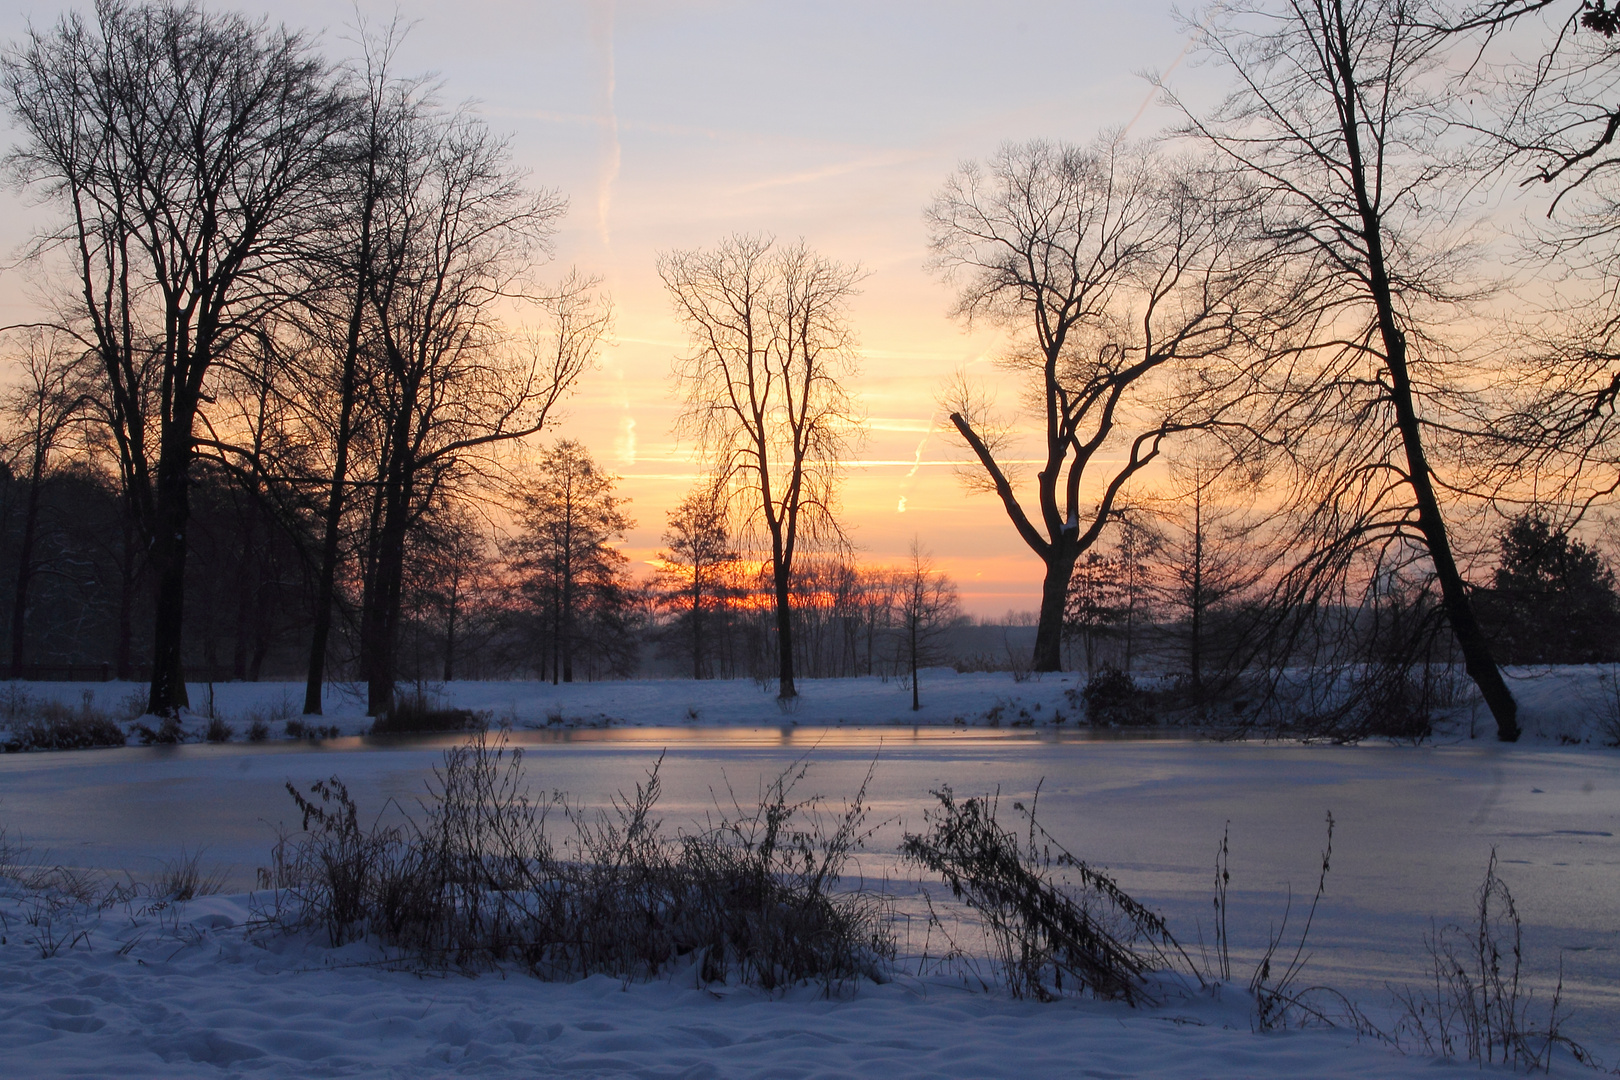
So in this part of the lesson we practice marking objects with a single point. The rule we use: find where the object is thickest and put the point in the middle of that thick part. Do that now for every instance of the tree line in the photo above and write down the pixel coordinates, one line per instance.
(300, 344)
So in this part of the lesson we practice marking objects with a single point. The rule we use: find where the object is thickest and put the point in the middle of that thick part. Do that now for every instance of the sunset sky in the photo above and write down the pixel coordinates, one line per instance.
(675, 124)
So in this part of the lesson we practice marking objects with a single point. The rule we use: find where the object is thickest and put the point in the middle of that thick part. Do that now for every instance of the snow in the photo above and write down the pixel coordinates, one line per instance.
(189, 990)
(1558, 705)
(947, 698)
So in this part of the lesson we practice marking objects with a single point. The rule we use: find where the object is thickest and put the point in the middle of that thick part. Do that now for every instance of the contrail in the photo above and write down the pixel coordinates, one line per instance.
(916, 463)
(1182, 55)
(602, 32)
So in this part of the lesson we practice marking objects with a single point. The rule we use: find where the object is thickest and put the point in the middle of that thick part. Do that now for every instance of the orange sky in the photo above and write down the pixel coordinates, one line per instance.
(674, 124)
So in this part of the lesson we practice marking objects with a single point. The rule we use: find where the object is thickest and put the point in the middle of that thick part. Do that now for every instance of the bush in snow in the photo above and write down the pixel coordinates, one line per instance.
(482, 877)
(51, 725)
(1112, 699)
(419, 712)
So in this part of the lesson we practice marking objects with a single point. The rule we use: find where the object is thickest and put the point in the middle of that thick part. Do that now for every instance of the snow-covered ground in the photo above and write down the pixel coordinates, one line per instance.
(947, 698)
(186, 991)
(1562, 705)
(182, 991)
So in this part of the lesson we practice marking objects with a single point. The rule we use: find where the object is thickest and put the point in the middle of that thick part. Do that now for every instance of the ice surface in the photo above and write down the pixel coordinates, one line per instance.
(1415, 827)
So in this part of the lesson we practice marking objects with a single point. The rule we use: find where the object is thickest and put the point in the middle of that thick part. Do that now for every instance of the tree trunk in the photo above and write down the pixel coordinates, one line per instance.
(565, 624)
(379, 624)
(450, 628)
(1195, 651)
(379, 617)
(697, 624)
(916, 702)
(1049, 630)
(25, 569)
(1477, 658)
(167, 693)
(326, 590)
(127, 583)
(247, 590)
(556, 631)
(785, 689)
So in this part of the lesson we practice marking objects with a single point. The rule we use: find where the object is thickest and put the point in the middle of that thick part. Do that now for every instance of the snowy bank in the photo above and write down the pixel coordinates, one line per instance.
(187, 990)
(1575, 704)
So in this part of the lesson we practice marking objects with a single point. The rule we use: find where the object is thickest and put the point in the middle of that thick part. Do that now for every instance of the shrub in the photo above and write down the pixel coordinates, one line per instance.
(16, 702)
(258, 731)
(55, 726)
(420, 713)
(1605, 706)
(480, 878)
(298, 729)
(1050, 917)
(262, 716)
(218, 730)
(1112, 699)
(169, 731)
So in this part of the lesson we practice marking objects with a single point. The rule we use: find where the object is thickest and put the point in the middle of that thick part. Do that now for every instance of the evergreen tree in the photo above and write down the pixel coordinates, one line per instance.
(1552, 599)
(573, 576)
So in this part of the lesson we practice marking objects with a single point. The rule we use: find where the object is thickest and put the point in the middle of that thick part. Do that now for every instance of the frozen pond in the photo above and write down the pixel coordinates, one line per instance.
(1415, 826)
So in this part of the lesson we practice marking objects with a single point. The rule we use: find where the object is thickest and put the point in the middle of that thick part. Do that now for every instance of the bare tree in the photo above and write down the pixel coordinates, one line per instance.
(1542, 87)
(1333, 119)
(187, 150)
(1562, 103)
(927, 607)
(879, 586)
(452, 580)
(455, 237)
(1092, 611)
(771, 346)
(388, 108)
(1123, 279)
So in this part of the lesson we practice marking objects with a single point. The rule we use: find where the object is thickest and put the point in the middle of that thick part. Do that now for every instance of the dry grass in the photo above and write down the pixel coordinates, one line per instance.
(485, 873)
(1477, 1006)
(1049, 916)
